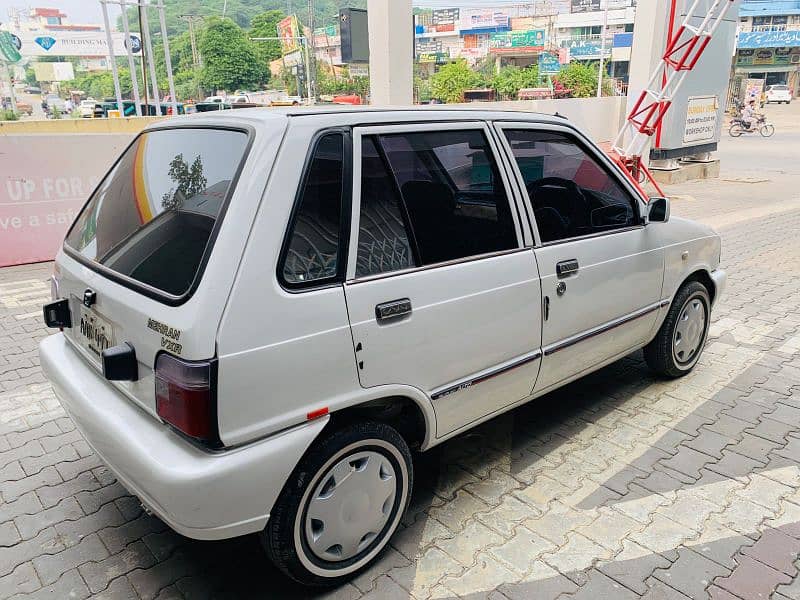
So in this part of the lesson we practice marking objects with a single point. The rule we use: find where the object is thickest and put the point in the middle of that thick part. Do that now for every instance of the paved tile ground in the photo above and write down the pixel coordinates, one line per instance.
(618, 486)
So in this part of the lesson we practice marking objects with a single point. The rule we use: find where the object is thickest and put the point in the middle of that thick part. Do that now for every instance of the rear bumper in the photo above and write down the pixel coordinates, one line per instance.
(720, 279)
(199, 494)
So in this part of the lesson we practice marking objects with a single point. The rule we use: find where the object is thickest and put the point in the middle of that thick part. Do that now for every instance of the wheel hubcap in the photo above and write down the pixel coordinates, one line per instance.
(350, 506)
(689, 331)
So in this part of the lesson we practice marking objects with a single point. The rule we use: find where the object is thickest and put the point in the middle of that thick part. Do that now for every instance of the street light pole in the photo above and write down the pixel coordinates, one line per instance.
(602, 51)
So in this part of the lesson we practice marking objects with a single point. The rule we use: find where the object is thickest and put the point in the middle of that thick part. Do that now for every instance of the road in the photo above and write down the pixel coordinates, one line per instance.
(617, 486)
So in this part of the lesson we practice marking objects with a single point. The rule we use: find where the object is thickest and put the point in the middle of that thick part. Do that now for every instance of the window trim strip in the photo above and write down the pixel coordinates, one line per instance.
(470, 380)
(551, 349)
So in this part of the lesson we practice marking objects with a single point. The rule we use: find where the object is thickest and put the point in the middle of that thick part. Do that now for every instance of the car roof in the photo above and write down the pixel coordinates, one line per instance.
(353, 115)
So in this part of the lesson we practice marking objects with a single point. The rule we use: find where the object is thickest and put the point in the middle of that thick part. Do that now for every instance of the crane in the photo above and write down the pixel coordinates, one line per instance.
(684, 48)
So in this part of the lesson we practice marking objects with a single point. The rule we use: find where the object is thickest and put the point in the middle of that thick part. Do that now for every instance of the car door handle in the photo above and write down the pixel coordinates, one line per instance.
(394, 309)
(567, 267)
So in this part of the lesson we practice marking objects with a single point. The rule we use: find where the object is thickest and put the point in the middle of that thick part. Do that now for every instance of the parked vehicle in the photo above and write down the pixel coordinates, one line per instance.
(739, 127)
(55, 101)
(23, 107)
(778, 93)
(33, 89)
(86, 108)
(257, 342)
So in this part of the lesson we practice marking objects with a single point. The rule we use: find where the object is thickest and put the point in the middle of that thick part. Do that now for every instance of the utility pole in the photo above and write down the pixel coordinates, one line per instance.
(311, 74)
(602, 51)
(144, 60)
(190, 19)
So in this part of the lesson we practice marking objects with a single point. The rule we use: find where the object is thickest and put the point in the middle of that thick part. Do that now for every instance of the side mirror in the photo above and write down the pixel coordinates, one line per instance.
(658, 210)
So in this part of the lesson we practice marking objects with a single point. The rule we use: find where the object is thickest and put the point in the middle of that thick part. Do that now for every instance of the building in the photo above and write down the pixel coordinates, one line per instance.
(768, 44)
(43, 30)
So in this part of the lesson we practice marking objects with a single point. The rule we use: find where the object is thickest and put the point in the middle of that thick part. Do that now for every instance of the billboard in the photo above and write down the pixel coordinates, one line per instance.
(582, 6)
(517, 40)
(55, 71)
(354, 31)
(75, 43)
(9, 47)
(289, 34)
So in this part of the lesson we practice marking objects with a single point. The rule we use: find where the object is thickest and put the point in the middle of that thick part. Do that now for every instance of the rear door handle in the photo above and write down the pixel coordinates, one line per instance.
(567, 267)
(394, 309)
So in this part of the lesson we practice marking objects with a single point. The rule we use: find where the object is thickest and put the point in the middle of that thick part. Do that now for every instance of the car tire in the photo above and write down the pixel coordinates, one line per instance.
(677, 347)
(373, 460)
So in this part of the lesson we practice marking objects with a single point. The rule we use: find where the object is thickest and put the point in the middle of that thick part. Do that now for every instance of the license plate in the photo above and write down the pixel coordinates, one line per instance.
(94, 332)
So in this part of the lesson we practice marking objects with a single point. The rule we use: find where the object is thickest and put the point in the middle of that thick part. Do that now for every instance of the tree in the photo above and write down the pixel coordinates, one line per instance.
(266, 25)
(579, 78)
(229, 58)
(448, 84)
(190, 180)
(510, 80)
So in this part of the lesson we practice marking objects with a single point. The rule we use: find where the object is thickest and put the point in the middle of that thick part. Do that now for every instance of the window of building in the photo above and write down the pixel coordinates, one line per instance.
(571, 194)
(439, 197)
(313, 254)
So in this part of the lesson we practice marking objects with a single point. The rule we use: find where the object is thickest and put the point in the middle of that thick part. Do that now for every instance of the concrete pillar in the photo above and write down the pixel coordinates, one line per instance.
(391, 52)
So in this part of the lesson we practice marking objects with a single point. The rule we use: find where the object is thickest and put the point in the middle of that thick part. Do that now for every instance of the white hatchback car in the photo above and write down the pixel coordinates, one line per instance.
(778, 93)
(263, 311)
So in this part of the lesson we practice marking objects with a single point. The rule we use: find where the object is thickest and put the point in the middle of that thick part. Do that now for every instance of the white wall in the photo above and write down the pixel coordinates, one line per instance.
(600, 118)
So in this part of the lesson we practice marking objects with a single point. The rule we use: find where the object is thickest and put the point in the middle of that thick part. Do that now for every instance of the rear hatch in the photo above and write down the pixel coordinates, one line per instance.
(136, 254)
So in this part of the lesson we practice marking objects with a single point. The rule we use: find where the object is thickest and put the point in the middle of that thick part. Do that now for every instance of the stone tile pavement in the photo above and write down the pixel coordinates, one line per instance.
(617, 486)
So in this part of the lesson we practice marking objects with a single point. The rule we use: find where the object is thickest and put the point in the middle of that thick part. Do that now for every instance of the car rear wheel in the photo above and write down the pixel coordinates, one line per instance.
(677, 347)
(341, 504)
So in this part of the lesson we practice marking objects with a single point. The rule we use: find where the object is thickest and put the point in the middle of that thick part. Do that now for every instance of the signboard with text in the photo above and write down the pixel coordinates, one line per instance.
(701, 119)
(533, 38)
(46, 180)
(548, 64)
(75, 43)
(581, 6)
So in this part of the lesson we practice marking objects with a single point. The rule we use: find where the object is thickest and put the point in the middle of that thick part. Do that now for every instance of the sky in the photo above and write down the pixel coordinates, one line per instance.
(88, 11)
(78, 11)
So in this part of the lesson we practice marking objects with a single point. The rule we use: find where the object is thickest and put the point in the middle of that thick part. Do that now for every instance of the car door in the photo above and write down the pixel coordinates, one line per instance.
(601, 269)
(441, 292)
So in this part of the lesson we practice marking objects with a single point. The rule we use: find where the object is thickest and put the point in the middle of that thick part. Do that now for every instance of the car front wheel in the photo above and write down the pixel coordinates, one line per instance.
(677, 347)
(341, 504)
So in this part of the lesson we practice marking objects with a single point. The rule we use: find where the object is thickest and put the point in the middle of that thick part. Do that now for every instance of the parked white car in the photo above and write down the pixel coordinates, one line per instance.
(86, 108)
(264, 312)
(778, 93)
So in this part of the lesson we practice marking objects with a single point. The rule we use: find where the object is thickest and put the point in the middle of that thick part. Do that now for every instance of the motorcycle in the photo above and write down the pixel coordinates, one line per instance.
(738, 127)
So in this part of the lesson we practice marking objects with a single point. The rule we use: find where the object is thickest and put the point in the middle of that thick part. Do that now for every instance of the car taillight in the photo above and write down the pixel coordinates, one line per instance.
(186, 397)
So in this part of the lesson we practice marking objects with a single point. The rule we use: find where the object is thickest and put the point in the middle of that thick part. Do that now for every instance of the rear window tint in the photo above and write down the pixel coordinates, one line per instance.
(152, 216)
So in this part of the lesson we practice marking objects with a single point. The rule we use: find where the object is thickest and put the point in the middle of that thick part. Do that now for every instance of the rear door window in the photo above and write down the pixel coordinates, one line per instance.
(441, 198)
(152, 217)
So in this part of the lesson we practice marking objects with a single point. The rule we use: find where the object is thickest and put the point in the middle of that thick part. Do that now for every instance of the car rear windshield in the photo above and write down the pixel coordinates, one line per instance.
(151, 219)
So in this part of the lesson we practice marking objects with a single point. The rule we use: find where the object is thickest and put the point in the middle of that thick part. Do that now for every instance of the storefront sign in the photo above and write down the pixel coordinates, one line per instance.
(701, 119)
(745, 57)
(533, 38)
(767, 39)
(581, 6)
(548, 64)
(445, 19)
(763, 57)
(483, 18)
(582, 49)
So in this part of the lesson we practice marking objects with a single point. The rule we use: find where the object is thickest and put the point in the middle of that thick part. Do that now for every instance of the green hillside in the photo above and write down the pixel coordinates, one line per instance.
(242, 11)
